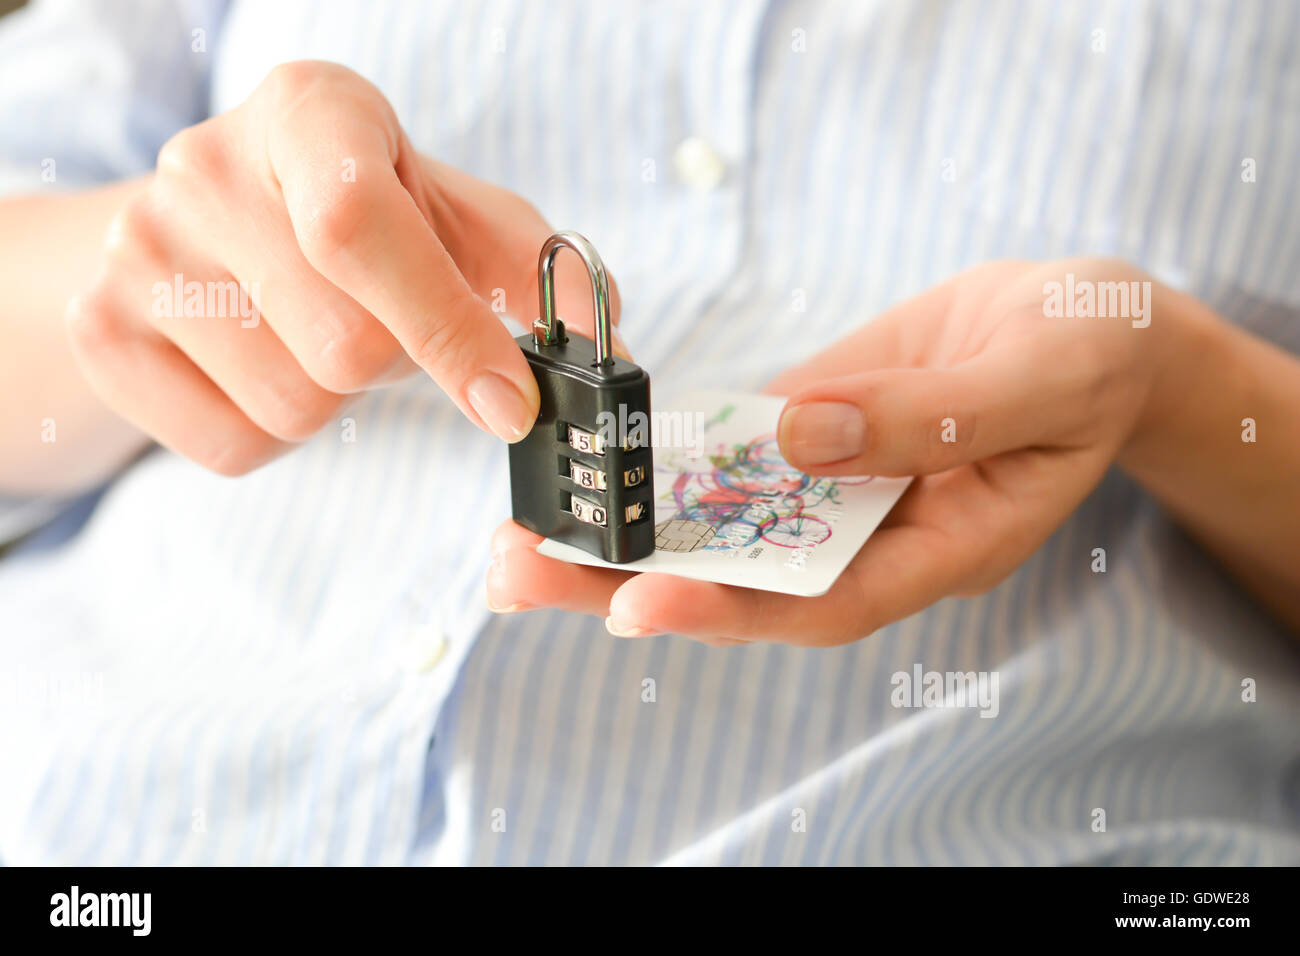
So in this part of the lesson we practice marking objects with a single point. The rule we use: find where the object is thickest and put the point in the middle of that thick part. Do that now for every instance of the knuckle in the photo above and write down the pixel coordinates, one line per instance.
(446, 345)
(94, 323)
(295, 77)
(934, 452)
(232, 459)
(297, 415)
(755, 615)
(947, 429)
(348, 363)
(332, 223)
(856, 617)
(338, 371)
(1104, 365)
(193, 154)
(134, 229)
(291, 82)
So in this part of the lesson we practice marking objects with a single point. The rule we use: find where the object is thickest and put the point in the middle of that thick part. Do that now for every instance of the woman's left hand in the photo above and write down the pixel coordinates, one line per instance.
(1009, 417)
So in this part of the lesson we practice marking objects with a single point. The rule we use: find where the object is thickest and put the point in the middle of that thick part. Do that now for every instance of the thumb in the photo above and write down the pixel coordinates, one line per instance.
(913, 421)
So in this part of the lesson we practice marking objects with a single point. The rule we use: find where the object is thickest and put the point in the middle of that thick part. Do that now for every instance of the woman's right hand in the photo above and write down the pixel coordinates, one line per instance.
(362, 261)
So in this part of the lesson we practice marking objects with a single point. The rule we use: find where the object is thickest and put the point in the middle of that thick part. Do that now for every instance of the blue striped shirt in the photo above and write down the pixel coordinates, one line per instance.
(297, 666)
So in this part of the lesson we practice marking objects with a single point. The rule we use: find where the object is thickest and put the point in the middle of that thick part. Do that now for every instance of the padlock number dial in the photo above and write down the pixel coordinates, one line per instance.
(594, 478)
(588, 511)
(585, 441)
(587, 477)
(594, 444)
(593, 513)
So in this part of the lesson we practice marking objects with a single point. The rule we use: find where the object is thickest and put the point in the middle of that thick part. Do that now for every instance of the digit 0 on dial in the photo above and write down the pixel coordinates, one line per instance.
(571, 479)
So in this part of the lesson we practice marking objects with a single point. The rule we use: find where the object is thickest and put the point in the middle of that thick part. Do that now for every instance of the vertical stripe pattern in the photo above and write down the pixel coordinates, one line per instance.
(297, 667)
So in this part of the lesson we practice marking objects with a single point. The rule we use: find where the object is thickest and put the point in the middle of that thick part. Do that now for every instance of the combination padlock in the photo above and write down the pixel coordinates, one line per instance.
(583, 475)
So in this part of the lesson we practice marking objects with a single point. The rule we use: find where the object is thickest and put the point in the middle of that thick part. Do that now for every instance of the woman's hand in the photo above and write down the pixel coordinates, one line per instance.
(1009, 417)
(360, 261)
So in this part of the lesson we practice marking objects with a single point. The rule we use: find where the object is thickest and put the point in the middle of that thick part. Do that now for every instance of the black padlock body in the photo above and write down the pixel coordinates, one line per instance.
(574, 391)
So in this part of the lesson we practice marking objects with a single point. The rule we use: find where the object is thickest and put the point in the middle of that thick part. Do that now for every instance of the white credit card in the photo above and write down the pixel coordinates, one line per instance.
(730, 509)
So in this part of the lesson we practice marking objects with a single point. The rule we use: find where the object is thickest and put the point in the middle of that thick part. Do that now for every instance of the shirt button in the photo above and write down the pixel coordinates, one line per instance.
(423, 651)
(698, 164)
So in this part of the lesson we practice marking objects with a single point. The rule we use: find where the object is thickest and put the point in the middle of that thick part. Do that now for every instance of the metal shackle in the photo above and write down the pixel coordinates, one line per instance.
(547, 329)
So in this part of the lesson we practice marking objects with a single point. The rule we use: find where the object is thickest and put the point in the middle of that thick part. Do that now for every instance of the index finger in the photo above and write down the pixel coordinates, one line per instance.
(366, 234)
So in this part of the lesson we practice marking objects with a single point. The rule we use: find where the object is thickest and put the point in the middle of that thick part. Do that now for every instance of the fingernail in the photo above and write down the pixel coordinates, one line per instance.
(509, 608)
(625, 630)
(501, 406)
(819, 433)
